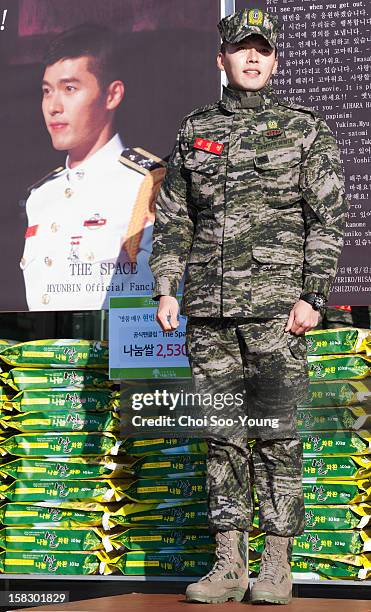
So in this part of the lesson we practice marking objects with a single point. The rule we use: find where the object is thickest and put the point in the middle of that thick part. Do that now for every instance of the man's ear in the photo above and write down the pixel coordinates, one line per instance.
(220, 61)
(275, 66)
(115, 94)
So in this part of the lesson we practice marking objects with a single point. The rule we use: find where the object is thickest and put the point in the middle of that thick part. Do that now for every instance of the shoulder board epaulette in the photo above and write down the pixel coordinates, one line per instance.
(48, 177)
(140, 160)
(298, 107)
(202, 109)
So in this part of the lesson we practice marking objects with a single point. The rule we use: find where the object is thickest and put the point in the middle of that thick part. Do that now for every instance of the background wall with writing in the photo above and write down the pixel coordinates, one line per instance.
(325, 63)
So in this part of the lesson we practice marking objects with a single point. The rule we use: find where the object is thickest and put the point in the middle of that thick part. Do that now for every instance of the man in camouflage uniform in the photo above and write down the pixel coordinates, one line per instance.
(253, 201)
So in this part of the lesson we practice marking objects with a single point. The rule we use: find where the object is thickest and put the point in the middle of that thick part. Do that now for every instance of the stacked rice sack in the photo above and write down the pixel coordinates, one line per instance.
(335, 428)
(58, 447)
(78, 497)
(163, 531)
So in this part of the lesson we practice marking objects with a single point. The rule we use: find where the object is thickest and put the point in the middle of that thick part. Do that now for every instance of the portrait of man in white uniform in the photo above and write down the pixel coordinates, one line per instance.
(89, 222)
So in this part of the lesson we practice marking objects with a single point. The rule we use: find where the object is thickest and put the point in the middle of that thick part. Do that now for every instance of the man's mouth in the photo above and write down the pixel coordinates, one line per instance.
(252, 72)
(57, 126)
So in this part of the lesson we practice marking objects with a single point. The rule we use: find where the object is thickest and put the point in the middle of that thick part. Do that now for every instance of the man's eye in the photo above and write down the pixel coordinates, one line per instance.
(70, 88)
(45, 91)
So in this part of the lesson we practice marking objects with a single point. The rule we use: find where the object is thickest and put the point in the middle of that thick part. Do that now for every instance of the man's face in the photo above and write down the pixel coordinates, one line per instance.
(248, 64)
(73, 105)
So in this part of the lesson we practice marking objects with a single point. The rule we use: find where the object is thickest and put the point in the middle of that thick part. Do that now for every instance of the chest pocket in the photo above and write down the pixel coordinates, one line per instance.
(279, 171)
(204, 169)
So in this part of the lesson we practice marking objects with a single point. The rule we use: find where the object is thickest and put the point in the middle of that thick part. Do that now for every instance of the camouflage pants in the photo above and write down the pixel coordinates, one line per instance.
(268, 366)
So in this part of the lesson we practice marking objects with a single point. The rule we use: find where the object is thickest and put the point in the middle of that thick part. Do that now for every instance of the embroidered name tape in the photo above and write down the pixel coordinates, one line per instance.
(272, 133)
(208, 145)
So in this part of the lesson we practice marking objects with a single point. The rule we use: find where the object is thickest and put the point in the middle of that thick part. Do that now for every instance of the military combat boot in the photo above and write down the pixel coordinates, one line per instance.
(274, 582)
(228, 578)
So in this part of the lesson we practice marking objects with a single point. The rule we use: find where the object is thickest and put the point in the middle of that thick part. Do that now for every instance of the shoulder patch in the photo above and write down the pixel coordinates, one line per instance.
(202, 109)
(299, 107)
(48, 177)
(140, 160)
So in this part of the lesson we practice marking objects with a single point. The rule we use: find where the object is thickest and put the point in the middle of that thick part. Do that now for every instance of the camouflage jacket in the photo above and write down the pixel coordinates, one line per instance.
(259, 219)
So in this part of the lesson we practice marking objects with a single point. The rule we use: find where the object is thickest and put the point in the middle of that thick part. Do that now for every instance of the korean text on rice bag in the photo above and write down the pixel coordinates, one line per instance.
(173, 514)
(87, 400)
(55, 563)
(47, 378)
(67, 468)
(336, 442)
(340, 340)
(59, 444)
(337, 467)
(327, 419)
(68, 353)
(62, 420)
(333, 367)
(339, 393)
(18, 514)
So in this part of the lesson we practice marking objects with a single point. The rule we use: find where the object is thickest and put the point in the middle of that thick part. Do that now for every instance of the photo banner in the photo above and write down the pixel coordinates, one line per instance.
(76, 229)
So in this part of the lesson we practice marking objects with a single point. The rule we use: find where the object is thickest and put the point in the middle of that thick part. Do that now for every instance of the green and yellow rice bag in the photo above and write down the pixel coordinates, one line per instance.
(337, 517)
(63, 491)
(345, 567)
(62, 420)
(59, 444)
(50, 539)
(160, 514)
(21, 379)
(5, 395)
(158, 466)
(324, 491)
(336, 442)
(333, 517)
(66, 468)
(339, 467)
(139, 446)
(340, 340)
(68, 353)
(86, 400)
(312, 543)
(177, 563)
(160, 538)
(339, 393)
(50, 562)
(148, 490)
(322, 419)
(334, 367)
(18, 514)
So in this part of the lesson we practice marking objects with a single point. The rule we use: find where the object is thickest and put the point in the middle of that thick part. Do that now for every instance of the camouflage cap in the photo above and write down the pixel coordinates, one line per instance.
(246, 22)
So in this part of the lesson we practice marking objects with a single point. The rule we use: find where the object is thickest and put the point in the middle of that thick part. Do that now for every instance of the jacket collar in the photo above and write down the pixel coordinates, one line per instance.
(99, 162)
(235, 100)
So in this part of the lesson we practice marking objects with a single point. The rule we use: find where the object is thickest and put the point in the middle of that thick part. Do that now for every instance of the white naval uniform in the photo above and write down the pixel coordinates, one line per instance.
(77, 223)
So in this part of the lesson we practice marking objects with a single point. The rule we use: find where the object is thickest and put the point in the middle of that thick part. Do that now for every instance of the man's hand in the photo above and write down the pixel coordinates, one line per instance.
(167, 313)
(302, 318)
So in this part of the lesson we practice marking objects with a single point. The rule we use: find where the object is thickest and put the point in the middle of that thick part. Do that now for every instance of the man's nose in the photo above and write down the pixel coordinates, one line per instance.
(252, 55)
(55, 105)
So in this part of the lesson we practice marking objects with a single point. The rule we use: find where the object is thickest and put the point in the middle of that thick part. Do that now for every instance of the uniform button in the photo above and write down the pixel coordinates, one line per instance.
(54, 227)
(48, 261)
(68, 192)
(45, 298)
(22, 263)
(232, 268)
(80, 174)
